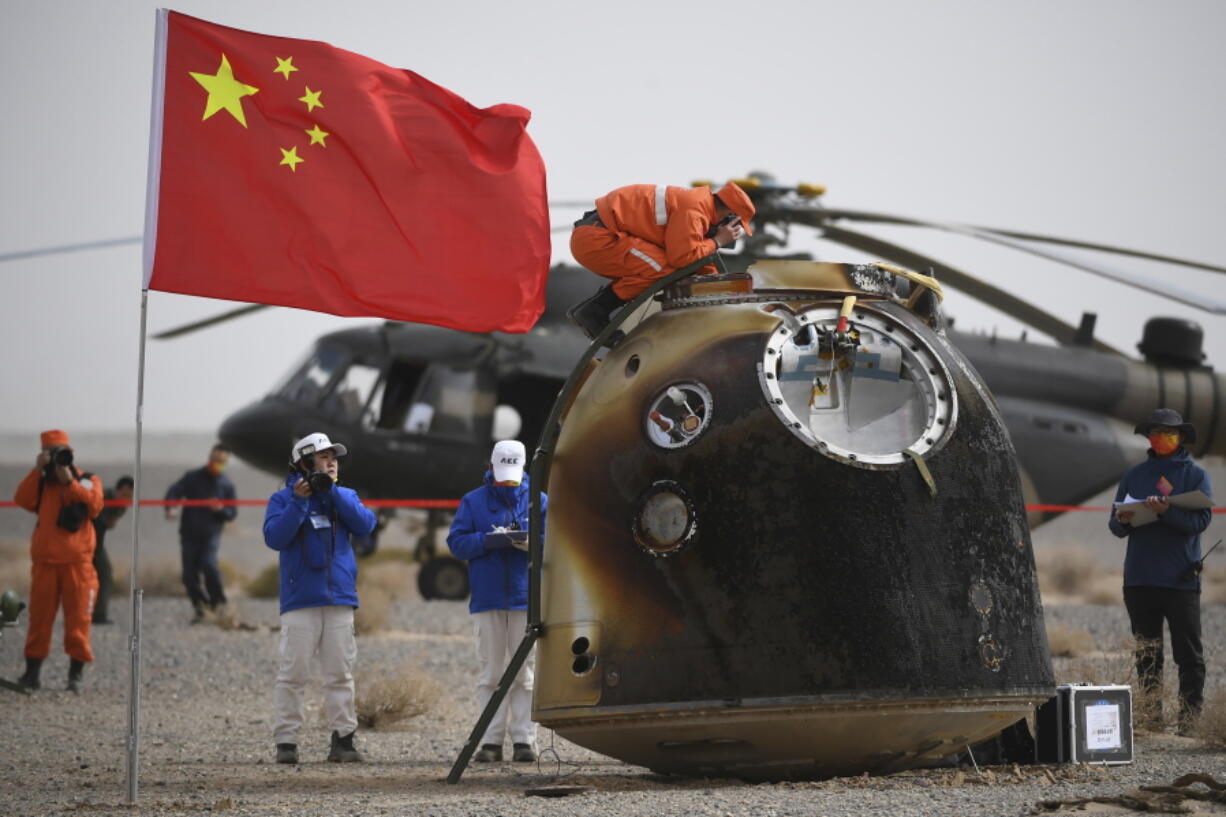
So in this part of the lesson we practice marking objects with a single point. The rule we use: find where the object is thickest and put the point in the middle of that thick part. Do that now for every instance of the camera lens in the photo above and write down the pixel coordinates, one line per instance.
(62, 456)
(320, 482)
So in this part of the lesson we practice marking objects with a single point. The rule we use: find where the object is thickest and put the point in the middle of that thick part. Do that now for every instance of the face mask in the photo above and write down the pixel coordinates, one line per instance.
(1164, 442)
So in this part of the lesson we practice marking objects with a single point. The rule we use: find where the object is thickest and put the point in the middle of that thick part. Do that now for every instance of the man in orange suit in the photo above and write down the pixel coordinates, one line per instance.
(66, 499)
(642, 232)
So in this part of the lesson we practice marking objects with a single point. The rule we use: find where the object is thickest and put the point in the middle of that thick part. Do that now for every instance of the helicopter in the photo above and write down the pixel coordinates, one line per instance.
(419, 406)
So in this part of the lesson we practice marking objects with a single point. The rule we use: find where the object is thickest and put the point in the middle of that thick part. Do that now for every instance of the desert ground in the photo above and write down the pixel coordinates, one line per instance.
(206, 701)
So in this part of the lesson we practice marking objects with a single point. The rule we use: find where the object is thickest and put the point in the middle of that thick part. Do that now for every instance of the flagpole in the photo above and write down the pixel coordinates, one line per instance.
(152, 185)
(135, 593)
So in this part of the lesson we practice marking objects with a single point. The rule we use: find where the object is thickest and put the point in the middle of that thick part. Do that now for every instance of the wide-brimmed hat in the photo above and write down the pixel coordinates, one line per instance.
(1166, 417)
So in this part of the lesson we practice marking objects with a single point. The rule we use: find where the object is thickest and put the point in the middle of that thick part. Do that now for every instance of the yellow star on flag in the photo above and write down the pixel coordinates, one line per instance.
(290, 157)
(285, 66)
(311, 99)
(318, 135)
(225, 92)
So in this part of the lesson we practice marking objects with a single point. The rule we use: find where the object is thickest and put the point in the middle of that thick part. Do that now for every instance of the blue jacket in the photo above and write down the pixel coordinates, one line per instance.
(317, 564)
(499, 577)
(1160, 551)
(198, 523)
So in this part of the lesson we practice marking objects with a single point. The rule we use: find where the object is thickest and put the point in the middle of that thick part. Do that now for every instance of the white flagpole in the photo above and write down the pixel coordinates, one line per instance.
(150, 240)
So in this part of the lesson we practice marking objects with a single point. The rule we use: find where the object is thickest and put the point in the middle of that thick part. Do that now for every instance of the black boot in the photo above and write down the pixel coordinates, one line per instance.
(343, 750)
(592, 315)
(75, 670)
(30, 679)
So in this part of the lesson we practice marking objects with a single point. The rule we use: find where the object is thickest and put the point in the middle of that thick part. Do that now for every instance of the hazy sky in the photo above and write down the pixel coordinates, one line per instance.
(1095, 120)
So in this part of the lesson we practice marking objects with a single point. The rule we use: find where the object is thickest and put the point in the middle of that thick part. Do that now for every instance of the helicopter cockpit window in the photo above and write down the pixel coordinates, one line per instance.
(866, 396)
(354, 397)
(451, 401)
(310, 380)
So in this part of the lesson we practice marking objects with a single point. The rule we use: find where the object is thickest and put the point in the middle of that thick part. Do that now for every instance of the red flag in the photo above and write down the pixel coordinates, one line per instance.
(294, 173)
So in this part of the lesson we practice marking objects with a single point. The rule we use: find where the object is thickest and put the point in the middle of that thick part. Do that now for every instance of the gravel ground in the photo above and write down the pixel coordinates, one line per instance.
(206, 742)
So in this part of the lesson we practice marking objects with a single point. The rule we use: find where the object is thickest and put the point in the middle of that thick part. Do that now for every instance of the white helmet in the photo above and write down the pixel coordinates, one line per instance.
(312, 443)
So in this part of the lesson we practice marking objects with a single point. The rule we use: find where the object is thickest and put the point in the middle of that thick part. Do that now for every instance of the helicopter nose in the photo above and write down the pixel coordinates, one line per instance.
(260, 433)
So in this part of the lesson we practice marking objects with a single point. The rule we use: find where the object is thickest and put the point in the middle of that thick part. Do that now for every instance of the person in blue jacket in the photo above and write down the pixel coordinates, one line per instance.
(490, 531)
(1163, 564)
(309, 523)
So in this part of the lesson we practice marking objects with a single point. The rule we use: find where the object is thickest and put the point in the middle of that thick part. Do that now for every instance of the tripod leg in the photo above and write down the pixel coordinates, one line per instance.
(504, 684)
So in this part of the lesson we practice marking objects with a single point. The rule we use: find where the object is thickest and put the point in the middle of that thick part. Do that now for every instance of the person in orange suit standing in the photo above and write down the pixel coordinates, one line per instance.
(66, 499)
(642, 232)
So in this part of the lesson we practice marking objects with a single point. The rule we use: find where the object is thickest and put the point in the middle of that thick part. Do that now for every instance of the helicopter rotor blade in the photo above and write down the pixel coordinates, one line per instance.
(862, 215)
(1016, 241)
(982, 291)
(66, 248)
(229, 315)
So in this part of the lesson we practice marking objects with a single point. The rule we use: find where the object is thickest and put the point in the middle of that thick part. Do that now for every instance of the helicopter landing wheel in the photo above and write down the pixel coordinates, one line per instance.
(443, 577)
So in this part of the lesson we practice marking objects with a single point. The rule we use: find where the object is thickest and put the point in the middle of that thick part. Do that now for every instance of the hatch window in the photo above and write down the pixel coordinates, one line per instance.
(866, 397)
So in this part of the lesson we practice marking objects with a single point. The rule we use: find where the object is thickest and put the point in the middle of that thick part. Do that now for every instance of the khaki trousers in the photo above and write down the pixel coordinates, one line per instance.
(326, 632)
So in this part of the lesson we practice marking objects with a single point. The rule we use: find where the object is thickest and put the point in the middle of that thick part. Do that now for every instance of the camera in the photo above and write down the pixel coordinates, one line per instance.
(320, 482)
(60, 455)
(72, 516)
(728, 219)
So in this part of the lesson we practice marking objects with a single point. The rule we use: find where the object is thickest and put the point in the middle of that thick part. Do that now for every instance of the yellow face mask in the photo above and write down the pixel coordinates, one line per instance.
(1164, 442)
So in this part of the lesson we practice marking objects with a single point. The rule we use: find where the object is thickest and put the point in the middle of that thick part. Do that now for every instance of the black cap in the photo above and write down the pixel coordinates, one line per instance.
(1167, 417)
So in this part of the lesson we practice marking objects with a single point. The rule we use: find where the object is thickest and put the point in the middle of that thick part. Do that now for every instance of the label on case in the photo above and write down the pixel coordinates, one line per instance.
(1103, 727)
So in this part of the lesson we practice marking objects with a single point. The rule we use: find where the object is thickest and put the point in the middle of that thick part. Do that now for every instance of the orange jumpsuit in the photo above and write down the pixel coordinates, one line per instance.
(63, 569)
(642, 241)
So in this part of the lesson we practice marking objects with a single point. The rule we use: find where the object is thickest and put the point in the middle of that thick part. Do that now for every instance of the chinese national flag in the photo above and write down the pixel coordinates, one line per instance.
(291, 172)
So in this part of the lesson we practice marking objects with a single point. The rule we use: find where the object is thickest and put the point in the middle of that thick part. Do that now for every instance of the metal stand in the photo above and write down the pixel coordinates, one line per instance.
(538, 481)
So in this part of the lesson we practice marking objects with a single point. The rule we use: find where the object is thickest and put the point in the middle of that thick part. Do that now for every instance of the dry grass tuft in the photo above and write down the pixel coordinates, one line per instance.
(1118, 666)
(231, 574)
(385, 555)
(1105, 589)
(1211, 727)
(375, 609)
(266, 584)
(15, 567)
(163, 579)
(395, 578)
(228, 617)
(1114, 666)
(387, 699)
(1068, 643)
(1065, 572)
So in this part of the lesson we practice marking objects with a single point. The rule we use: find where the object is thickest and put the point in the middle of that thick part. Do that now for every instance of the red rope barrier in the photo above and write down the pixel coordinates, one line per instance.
(239, 503)
(455, 503)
